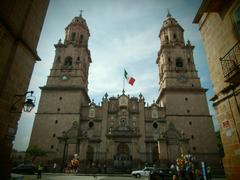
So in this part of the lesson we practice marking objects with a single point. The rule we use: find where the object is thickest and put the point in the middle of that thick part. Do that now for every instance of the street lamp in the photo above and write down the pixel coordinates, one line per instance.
(28, 105)
(64, 138)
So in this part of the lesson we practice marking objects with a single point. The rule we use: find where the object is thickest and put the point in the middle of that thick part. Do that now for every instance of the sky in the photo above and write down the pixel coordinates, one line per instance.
(124, 34)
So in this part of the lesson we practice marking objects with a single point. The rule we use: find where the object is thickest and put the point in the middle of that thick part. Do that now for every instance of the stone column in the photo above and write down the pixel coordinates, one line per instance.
(162, 151)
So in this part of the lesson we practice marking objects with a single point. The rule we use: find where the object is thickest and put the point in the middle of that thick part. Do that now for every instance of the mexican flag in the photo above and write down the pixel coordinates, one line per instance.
(130, 79)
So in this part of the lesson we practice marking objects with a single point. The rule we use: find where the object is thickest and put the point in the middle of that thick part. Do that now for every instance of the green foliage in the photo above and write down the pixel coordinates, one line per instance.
(219, 143)
(35, 151)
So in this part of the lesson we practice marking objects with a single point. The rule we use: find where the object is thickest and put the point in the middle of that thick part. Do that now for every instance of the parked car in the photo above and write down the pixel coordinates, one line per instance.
(143, 172)
(24, 169)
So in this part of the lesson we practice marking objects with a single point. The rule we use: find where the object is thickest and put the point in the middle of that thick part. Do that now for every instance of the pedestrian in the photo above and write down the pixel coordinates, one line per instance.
(173, 172)
(209, 175)
(54, 167)
(105, 168)
(39, 171)
(198, 174)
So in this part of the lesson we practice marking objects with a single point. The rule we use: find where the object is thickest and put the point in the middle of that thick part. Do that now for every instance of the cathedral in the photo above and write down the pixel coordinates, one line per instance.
(123, 132)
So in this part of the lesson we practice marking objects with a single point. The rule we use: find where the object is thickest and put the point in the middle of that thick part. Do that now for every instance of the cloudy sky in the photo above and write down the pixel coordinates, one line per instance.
(124, 34)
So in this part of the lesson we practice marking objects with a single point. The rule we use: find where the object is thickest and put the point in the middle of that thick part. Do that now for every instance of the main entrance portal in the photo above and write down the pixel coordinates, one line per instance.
(122, 159)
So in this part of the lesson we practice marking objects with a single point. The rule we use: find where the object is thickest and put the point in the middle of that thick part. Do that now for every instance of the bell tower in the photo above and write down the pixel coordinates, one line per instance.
(175, 58)
(66, 91)
(72, 58)
(182, 95)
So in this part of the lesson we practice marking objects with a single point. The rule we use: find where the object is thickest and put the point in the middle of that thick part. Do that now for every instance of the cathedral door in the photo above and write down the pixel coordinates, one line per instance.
(122, 159)
(155, 156)
(173, 150)
(90, 152)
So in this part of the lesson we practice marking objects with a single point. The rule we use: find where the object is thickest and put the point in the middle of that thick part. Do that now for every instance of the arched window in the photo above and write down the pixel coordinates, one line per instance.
(68, 61)
(179, 62)
(81, 39)
(73, 35)
(90, 124)
(166, 38)
(174, 36)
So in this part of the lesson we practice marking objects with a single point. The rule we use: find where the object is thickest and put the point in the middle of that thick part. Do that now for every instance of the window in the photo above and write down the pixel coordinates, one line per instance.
(235, 15)
(53, 135)
(188, 111)
(192, 137)
(169, 61)
(189, 60)
(68, 61)
(186, 99)
(90, 124)
(58, 59)
(73, 35)
(60, 98)
(52, 146)
(56, 121)
(194, 148)
(179, 62)
(58, 109)
(190, 122)
(174, 36)
(155, 125)
(81, 39)
(166, 38)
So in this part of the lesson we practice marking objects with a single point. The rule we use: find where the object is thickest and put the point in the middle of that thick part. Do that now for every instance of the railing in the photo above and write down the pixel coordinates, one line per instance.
(231, 63)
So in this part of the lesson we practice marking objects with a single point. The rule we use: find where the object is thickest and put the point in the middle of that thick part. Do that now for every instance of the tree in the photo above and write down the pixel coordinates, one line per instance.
(34, 152)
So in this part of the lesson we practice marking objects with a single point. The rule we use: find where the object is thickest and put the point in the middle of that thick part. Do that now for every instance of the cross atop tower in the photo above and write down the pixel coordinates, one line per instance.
(168, 13)
(81, 11)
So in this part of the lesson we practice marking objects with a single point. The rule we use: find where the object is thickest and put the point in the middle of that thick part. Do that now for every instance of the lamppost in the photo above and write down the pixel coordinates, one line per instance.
(28, 104)
(64, 138)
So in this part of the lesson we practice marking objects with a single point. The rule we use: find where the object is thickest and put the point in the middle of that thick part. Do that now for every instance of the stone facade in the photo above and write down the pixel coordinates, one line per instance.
(123, 132)
(219, 27)
(20, 27)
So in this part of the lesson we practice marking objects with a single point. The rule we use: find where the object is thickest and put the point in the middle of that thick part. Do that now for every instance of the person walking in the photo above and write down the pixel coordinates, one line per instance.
(209, 173)
(54, 167)
(39, 171)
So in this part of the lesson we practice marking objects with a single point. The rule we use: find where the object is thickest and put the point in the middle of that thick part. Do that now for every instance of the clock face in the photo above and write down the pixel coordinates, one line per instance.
(182, 78)
(64, 77)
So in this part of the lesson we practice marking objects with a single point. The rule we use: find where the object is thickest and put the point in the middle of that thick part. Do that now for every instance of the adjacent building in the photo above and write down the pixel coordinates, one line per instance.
(20, 26)
(219, 24)
(123, 132)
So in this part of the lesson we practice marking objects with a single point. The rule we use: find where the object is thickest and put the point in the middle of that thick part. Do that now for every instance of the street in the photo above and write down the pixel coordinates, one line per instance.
(89, 177)
(80, 177)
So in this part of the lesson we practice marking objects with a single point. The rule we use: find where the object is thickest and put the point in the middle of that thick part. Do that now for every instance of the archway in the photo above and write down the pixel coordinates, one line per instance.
(90, 152)
(122, 158)
(173, 148)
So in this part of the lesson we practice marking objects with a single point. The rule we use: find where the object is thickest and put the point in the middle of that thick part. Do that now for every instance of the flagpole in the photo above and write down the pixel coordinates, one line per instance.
(123, 79)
